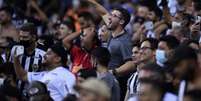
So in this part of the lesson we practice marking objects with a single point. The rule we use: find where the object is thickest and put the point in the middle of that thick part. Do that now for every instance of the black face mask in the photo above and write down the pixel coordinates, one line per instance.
(25, 43)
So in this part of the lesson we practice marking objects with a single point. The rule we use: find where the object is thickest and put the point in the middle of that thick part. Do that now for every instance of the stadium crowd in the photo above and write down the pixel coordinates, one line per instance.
(100, 50)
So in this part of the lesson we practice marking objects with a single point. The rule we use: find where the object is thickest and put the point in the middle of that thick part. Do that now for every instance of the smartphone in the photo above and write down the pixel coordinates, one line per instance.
(149, 25)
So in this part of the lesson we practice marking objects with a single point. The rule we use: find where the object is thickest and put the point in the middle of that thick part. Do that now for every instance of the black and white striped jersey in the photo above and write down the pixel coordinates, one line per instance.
(30, 63)
(132, 84)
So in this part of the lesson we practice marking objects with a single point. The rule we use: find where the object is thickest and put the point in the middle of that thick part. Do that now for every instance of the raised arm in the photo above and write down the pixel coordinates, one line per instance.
(166, 13)
(20, 72)
(126, 68)
(67, 41)
(99, 8)
(39, 11)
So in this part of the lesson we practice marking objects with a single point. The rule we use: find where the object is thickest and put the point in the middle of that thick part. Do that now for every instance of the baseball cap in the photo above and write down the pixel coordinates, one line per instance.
(96, 86)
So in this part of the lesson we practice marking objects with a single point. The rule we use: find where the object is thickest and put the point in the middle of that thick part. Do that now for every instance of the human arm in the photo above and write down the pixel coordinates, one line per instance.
(41, 14)
(99, 8)
(67, 41)
(20, 72)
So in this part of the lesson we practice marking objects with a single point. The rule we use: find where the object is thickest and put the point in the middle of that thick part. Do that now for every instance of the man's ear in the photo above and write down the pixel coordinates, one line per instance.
(58, 59)
(121, 22)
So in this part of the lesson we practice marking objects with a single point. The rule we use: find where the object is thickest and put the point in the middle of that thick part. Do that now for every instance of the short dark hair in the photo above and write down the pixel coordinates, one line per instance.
(189, 41)
(87, 16)
(153, 42)
(156, 69)
(60, 51)
(102, 55)
(155, 84)
(181, 53)
(42, 88)
(171, 41)
(7, 9)
(69, 21)
(29, 27)
(125, 15)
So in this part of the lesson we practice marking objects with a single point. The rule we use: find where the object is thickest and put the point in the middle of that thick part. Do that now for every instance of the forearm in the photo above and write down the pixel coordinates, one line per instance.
(42, 14)
(20, 72)
(126, 68)
(99, 8)
(166, 14)
(159, 30)
(136, 37)
(69, 38)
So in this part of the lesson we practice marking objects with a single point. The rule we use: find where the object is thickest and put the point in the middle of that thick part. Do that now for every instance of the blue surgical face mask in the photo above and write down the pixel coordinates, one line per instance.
(160, 56)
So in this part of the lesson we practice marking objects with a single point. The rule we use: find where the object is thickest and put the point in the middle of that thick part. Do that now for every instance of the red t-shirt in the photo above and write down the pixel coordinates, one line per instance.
(80, 59)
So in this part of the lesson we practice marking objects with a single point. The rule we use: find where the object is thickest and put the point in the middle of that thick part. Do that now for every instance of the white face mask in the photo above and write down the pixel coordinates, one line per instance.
(160, 56)
(176, 24)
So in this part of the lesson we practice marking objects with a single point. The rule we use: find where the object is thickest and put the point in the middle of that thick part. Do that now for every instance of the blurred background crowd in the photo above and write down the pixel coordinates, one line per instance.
(100, 50)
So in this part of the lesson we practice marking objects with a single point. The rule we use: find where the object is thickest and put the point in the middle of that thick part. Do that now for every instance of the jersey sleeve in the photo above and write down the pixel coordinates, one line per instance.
(35, 76)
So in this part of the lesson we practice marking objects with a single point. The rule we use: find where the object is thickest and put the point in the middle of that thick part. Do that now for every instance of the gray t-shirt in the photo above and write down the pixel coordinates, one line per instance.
(120, 48)
(112, 84)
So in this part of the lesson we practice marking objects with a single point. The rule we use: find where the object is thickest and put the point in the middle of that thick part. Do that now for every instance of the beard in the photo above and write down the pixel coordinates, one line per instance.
(25, 43)
(112, 26)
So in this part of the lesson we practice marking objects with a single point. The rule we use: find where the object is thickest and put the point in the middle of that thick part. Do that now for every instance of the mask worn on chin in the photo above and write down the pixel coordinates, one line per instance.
(160, 56)
(26, 43)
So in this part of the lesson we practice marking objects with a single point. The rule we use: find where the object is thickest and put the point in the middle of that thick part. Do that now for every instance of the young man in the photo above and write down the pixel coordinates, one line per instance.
(31, 56)
(184, 66)
(7, 28)
(58, 79)
(146, 55)
(100, 60)
(119, 44)
(80, 55)
(65, 28)
(165, 46)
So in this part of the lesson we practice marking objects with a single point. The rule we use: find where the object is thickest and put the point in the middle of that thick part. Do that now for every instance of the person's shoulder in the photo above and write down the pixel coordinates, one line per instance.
(170, 97)
(133, 99)
(40, 51)
(41, 47)
(62, 72)
(109, 76)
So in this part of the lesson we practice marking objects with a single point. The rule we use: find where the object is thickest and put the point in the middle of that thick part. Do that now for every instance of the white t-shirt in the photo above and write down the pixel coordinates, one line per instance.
(59, 81)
